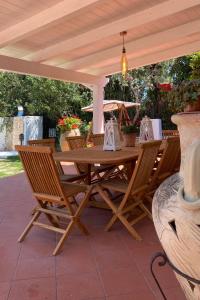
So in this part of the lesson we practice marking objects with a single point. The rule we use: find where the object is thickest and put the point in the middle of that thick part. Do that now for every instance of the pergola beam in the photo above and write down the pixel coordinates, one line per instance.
(44, 18)
(32, 68)
(137, 47)
(153, 58)
(163, 9)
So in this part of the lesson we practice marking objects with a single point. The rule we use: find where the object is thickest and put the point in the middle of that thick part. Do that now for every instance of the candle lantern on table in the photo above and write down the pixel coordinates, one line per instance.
(112, 137)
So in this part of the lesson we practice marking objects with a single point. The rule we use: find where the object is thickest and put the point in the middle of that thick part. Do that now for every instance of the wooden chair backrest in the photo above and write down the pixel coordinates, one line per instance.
(51, 142)
(97, 139)
(44, 142)
(141, 176)
(77, 142)
(170, 133)
(42, 173)
(169, 160)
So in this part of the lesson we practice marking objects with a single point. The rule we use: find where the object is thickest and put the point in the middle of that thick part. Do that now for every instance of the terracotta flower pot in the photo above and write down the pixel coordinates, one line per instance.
(129, 139)
(193, 106)
(63, 142)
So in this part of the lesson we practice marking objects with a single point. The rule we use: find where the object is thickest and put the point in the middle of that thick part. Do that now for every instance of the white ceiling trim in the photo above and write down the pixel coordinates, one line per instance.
(32, 68)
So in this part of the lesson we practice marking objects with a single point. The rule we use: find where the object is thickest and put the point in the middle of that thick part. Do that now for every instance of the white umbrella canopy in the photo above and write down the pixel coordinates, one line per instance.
(111, 105)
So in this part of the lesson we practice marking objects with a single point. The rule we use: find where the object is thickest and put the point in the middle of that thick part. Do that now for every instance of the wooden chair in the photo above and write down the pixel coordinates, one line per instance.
(51, 142)
(133, 190)
(169, 133)
(97, 139)
(51, 194)
(169, 161)
(77, 142)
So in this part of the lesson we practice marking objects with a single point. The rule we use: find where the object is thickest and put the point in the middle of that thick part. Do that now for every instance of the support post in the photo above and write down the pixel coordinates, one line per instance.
(98, 97)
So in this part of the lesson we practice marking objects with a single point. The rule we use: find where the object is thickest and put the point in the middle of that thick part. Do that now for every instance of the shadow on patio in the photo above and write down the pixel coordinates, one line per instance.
(104, 265)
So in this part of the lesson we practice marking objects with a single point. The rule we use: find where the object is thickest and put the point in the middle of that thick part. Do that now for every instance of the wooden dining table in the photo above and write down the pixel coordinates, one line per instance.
(96, 155)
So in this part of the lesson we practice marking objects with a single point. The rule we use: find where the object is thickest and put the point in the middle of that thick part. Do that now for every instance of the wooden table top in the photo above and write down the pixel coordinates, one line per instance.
(96, 155)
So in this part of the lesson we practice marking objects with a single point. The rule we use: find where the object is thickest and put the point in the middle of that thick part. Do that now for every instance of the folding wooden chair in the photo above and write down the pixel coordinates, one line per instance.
(168, 165)
(170, 133)
(97, 139)
(52, 144)
(53, 197)
(133, 190)
(77, 142)
(169, 161)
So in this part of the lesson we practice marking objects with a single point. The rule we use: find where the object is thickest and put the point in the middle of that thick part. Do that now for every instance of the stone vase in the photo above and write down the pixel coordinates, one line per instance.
(176, 207)
(63, 143)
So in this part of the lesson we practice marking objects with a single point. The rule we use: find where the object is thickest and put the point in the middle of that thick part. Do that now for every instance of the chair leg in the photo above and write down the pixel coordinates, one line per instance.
(82, 227)
(145, 209)
(64, 236)
(111, 223)
(131, 230)
(29, 226)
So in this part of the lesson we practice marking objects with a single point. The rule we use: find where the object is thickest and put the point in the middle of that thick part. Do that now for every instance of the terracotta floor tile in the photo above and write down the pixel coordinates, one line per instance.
(75, 259)
(9, 248)
(79, 287)
(39, 243)
(34, 268)
(171, 294)
(7, 269)
(4, 290)
(36, 289)
(142, 295)
(123, 281)
(101, 266)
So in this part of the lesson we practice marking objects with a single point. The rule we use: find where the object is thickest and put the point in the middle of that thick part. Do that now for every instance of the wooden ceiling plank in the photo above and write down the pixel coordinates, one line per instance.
(158, 11)
(25, 67)
(152, 58)
(136, 46)
(45, 17)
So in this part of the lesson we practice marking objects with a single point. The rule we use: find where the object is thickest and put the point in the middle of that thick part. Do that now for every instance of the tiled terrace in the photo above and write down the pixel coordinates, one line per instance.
(103, 266)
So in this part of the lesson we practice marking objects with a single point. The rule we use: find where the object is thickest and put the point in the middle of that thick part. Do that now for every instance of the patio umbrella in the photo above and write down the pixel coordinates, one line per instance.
(112, 105)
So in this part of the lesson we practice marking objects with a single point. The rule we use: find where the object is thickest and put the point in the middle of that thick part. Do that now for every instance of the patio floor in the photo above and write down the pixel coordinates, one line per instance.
(104, 265)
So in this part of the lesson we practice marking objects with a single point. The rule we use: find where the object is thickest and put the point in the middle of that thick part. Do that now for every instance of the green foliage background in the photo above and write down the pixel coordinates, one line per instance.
(41, 96)
(52, 98)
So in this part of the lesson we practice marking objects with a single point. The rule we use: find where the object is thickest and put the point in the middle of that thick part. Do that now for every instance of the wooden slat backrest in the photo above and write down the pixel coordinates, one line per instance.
(41, 171)
(97, 139)
(44, 142)
(144, 166)
(169, 159)
(48, 143)
(169, 133)
(77, 142)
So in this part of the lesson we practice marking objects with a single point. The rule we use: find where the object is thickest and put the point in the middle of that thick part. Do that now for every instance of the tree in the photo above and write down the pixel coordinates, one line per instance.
(41, 96)
(195, 65)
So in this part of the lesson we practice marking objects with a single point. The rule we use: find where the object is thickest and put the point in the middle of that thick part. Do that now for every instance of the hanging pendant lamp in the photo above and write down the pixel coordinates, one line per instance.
(124, 61)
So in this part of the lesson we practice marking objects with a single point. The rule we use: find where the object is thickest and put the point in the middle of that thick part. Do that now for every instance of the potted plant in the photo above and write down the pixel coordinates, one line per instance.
(129, 134)
(185, 96)
(68, 126)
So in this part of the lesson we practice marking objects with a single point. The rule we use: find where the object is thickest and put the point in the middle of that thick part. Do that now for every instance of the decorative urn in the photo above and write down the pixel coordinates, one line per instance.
(176, 208)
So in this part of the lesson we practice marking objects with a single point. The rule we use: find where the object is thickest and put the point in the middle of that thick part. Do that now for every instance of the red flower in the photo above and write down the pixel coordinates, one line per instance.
(61, 122)
(166, 87)
(74, 126)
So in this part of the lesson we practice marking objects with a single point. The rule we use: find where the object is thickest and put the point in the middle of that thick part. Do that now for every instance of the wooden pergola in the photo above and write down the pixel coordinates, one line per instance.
(79, 40)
